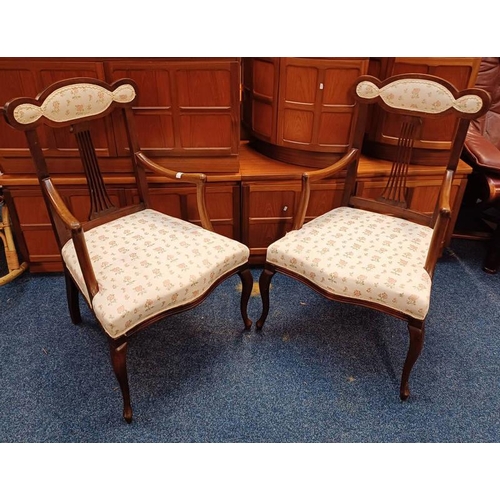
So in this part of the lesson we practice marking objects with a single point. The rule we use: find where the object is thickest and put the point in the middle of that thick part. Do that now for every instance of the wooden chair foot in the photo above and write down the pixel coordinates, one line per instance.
(404, 391)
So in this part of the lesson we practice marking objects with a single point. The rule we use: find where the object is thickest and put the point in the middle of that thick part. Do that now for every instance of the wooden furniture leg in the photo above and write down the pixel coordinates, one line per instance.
(247, 285)
(416, 329)
(264, 285)
(118, 350)
(72, 296)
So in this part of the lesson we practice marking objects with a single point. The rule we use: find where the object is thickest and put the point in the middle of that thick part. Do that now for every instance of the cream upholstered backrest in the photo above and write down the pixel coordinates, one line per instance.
(419, 94)
(79, 100)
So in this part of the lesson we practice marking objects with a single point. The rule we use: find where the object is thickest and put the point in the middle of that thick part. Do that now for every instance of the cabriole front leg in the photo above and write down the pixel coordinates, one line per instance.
(118, 351)
(246, 290)
(264, 285)
(416, 329)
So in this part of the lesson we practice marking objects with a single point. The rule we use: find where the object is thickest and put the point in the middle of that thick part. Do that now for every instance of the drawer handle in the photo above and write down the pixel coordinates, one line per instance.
(285, 208)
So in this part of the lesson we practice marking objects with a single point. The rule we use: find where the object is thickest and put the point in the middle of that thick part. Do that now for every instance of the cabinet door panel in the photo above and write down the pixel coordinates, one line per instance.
(199, 132)
(315, 104)
(262, 234)
(186, 107)
(271, 202)
(323, 199)
(260, 96)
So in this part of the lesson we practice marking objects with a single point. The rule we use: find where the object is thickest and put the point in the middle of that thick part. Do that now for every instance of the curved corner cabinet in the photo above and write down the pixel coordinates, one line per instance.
(298, 110)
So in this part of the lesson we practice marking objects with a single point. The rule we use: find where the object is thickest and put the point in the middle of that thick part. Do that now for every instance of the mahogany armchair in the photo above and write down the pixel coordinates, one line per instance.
(133, 265)
(379, 253)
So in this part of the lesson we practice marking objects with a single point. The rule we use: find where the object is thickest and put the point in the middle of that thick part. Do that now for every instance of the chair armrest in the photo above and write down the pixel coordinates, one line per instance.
(339, 165)
(442, 220)
(193, 178)
(59, 207)
(482, 152)
(61, 214)
(198, 179)
(317, 175)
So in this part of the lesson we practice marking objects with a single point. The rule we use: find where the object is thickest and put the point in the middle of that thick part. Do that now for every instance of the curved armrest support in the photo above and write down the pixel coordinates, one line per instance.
(59, 207)
(317, 175)
(339, 165)
(442, 219)
(62, 215)
(192, 178)
(198, 179)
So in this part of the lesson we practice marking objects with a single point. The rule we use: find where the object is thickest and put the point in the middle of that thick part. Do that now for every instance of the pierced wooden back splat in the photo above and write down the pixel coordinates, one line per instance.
(412, 98)
(100, 203)
(395, 191)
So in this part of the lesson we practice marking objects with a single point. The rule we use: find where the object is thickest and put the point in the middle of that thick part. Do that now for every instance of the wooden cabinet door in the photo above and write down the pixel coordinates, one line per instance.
(269, 209)
(434, 143)
(21, 77)
(185, 107)
(315, 104)
(260, 96)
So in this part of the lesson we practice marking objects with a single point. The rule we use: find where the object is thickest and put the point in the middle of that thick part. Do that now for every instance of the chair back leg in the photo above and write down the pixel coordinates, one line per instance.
(72, 296)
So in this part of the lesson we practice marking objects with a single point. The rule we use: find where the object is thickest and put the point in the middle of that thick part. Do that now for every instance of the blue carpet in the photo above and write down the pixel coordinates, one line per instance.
(318, 372)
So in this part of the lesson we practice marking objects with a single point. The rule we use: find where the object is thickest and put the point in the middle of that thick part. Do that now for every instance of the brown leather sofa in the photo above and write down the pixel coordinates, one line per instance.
(482, 152)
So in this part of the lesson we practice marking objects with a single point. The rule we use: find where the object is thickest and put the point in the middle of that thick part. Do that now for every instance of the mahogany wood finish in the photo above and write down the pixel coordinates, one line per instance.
(103, 205)
(299, 110)
(393, 199)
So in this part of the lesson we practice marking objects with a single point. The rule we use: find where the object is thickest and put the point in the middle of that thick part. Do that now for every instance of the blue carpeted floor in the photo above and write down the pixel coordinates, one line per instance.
(319, 371)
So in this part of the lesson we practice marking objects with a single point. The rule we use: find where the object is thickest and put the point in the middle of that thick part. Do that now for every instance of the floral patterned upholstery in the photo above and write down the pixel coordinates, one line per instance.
(73, 101)
(148, 262)
(419, 94)
(362, 255)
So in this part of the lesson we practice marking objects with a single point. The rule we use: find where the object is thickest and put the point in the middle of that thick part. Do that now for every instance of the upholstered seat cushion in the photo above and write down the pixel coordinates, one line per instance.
(148, 262)
(362, 255)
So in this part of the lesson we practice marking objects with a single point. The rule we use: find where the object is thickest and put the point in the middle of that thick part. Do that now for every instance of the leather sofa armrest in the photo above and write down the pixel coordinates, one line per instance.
(482, 152)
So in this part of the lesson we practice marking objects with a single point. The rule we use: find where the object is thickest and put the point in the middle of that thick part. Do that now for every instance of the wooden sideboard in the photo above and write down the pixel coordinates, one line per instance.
(255, 205)
(189, 116)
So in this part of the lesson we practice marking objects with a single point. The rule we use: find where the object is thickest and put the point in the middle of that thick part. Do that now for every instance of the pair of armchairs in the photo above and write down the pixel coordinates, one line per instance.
(482, 153)
(134, 265)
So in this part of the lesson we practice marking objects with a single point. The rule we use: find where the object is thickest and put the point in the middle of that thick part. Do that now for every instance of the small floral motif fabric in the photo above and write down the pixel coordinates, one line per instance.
(148, 262)
(363, 255)
(420, 95)
(74, 101)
